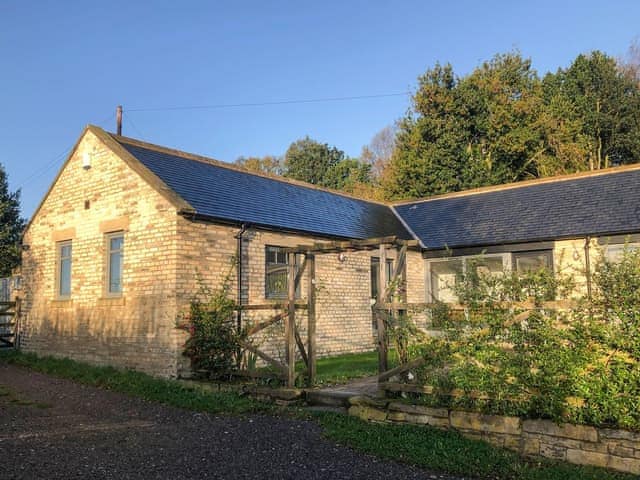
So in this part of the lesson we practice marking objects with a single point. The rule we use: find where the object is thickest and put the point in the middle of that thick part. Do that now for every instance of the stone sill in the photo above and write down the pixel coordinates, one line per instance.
(61, 303)
(111, 302)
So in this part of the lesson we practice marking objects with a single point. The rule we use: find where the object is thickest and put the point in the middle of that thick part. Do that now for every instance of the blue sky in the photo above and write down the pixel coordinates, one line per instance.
(67, 63)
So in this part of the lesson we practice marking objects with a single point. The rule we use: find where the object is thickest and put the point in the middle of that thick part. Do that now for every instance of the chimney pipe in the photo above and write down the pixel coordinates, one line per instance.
(119, 120)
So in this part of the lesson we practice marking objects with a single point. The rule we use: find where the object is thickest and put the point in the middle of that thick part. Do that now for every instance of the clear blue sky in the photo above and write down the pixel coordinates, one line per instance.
(68, 63)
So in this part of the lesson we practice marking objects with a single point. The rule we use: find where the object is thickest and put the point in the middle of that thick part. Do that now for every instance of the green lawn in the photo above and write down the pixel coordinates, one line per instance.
(138, 384)
(450, 452)
(341, 368)
(416, 445)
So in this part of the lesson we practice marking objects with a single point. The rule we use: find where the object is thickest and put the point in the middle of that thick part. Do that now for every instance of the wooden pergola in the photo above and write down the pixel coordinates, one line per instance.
(292, 335)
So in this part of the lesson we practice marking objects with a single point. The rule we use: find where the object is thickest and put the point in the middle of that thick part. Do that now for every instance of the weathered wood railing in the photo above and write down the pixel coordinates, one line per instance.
(9, 323)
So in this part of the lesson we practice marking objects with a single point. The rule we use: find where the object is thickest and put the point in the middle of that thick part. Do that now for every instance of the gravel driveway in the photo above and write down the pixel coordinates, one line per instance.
(53, 428)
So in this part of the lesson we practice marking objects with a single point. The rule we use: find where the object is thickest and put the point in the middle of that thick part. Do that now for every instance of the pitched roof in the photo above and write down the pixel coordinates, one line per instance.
(604, 203)
(225, 193)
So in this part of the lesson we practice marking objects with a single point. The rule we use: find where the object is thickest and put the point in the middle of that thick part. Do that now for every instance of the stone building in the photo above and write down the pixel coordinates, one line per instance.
(128, 231)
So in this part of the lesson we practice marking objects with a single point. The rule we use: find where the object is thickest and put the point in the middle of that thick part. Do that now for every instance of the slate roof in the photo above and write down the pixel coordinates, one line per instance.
(603, 204)
(231, 195)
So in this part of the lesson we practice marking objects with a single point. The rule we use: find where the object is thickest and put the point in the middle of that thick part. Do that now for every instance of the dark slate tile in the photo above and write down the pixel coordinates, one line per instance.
(602, 204)
(232, 195)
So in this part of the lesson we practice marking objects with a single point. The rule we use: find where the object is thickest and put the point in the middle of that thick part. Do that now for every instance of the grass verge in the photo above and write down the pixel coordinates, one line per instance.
(417, 445)
(450, 452)
(138, 384)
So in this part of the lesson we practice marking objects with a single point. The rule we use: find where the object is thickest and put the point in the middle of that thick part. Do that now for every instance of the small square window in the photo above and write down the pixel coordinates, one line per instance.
(276, 285)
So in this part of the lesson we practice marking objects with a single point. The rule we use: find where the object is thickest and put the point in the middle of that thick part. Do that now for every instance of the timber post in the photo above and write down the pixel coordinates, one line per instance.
(290, 325)
(383, 360)
(311, 318)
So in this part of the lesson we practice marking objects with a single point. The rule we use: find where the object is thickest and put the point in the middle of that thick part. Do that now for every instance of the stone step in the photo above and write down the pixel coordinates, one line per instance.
(323, 409)
(328, 398)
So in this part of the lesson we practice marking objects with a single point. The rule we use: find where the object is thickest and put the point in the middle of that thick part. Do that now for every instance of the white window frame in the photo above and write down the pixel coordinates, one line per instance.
(58, 277)
(506, 265)
(619, 249)
(107, 287)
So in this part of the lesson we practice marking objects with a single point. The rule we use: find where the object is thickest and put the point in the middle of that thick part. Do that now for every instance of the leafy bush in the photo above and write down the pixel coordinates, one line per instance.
(214, 344)
(580, 365)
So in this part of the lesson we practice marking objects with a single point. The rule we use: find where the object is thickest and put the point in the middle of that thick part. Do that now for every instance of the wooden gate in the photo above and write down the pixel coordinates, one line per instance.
(9, 317)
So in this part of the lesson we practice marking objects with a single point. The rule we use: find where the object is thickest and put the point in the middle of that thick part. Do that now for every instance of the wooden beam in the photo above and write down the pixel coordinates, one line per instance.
(397, 272)
(265, 357)
(418, 362)
(311, 319)
(528, 305)
(272, 306)
(301, 272)
(351, 245)
(267, 323)
(300, 344)
(383, 360)
(290, 325)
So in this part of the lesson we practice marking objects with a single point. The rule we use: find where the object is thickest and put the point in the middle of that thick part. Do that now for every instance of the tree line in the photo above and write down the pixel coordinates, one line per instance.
(503, 122)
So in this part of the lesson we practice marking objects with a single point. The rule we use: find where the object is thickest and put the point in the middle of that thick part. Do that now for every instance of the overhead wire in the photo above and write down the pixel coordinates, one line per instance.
(263, 104)
(54, 162)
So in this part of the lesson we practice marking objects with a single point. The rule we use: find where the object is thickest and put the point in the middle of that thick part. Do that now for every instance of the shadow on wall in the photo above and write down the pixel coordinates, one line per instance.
(131, 332)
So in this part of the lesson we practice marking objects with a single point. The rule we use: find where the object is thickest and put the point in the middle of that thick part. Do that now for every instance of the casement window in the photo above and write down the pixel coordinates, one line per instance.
(276, 284)
(533, 260)
(115, 254)
(444, 274)
(613, 253)
(63, 270)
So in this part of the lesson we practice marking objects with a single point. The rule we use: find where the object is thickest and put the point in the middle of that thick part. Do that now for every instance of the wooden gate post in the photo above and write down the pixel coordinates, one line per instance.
(383, 361)
(290, 325)
(311, 317)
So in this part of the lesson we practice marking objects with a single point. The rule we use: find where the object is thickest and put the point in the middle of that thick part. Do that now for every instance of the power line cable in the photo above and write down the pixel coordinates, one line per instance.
(263, 104)
(55, 161)
(132, 124)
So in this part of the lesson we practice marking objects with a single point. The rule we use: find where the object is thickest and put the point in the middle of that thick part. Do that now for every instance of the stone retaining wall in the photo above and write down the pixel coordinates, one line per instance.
(579, 444)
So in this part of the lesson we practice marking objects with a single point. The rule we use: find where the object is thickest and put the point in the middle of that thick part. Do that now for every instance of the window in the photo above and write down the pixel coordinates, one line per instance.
(443, 277)
(277, 273)
(64, 270)
(533, 261)
(614, 253)
(115, 251)
(443, 274)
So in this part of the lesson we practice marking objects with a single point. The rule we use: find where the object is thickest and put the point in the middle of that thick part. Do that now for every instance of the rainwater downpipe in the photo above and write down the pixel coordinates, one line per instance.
(238, 236)
(587, 263)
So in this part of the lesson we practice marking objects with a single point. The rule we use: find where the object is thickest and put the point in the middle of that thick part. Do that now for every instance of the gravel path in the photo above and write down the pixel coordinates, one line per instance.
(53, 428)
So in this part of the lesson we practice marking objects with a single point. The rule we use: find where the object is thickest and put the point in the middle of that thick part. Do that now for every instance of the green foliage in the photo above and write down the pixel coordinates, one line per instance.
(601, 102)
(326, 166)
(214, 344)
(168, 392)
(309, 160)
(11, 227)
(267, 164)
(502, 123)
(580, 365)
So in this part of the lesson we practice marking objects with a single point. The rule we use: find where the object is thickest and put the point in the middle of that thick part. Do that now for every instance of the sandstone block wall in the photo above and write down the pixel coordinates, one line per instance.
(134, 330)
(579, 444)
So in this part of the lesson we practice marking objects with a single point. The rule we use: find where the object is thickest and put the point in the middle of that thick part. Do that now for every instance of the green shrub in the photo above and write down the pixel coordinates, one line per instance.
(214, 345)
(580, 366)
